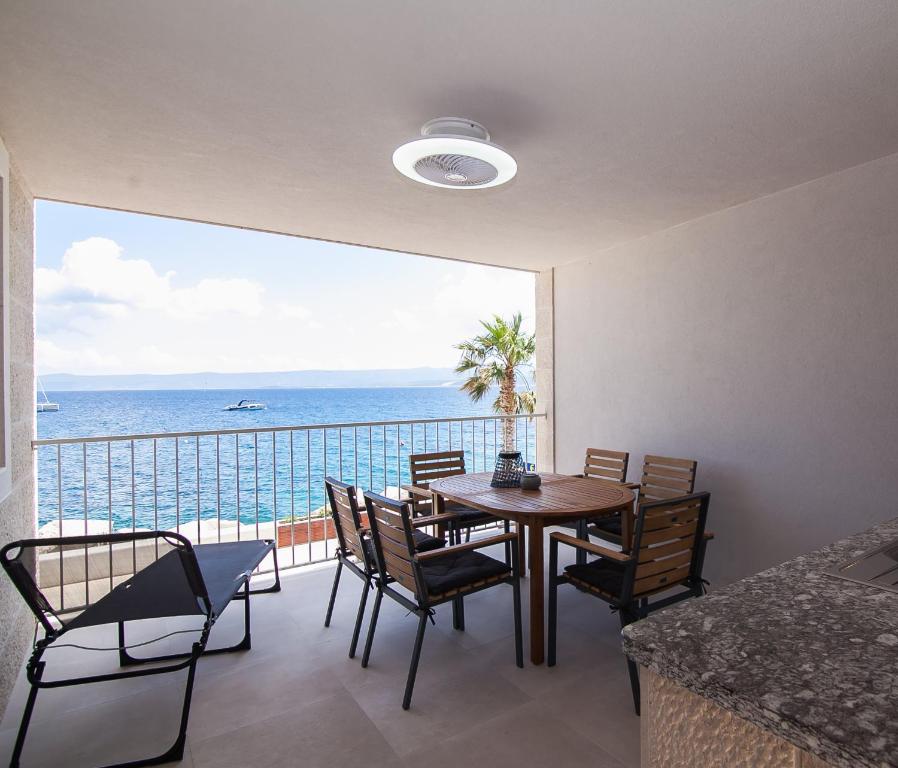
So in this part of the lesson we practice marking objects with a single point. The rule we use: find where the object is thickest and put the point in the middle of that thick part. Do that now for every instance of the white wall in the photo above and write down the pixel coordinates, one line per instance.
(761, 341)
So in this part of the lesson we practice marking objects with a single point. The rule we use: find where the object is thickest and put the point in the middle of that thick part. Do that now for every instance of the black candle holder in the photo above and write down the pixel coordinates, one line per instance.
(509, 470)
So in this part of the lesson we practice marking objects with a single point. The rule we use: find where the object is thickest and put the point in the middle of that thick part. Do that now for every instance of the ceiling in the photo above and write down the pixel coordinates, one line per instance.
(625, 117)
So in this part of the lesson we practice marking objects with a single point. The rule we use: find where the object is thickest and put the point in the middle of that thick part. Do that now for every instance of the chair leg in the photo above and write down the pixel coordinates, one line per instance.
(518, 633)
(330, 605)
(508, 544)
(366, 586)
(26, 717)
(581, 534)
(627, 618)
(371, 627)
(553, 603)
(458, 614)
(416, 656)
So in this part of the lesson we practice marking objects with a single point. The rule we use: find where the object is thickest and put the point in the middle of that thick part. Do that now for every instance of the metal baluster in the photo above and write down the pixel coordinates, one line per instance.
(133, 514)
(292, 507)
(178, 484)
(256, 470)
(109, 502)
(309, 492)
(325, 474)
(340, 451)
(59, 501)
(198, 528)
(218, 486)
(274, 485)
(155, 497)
(370, 460)
(237, 463)
(86, 553)
(398, 467)
(355, 455)
(385, 457)
(527, 440)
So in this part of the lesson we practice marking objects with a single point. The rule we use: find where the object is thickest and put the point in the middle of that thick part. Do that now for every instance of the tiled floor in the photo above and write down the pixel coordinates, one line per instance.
(297, 699)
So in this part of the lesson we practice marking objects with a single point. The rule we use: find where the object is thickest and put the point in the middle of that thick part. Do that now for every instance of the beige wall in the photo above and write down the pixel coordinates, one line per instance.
(761, 341)
(17, 512)
(544, 375)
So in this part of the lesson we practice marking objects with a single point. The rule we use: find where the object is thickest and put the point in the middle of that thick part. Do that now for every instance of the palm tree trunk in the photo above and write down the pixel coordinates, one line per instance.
(506, 402)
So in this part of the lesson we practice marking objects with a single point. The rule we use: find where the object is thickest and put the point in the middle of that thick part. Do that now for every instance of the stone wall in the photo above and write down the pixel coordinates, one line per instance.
(17, 512)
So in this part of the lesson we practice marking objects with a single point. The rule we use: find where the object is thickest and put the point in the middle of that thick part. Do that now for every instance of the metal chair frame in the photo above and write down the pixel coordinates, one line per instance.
(54, 627)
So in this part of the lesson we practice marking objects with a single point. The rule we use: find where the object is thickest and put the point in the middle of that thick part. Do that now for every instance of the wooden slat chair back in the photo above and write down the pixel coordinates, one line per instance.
(606, 465)
(667, 541)
(394, 546)
(424, 468)
(347, 520)
(664, 477)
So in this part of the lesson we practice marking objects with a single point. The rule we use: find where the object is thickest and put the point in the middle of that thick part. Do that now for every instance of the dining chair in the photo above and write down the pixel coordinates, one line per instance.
(667, 553)
(605, 466)
(354, 548)
(663, 477)
(432, 578)
(424, 468)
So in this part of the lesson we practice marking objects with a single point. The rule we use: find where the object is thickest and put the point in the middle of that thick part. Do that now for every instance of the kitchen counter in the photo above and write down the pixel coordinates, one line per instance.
(804, 656)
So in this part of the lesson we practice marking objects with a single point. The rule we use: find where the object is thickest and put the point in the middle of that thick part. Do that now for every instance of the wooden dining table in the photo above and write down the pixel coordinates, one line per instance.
(560, 499)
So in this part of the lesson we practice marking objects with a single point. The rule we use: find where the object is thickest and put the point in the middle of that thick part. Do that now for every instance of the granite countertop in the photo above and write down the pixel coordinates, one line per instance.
(808, 657)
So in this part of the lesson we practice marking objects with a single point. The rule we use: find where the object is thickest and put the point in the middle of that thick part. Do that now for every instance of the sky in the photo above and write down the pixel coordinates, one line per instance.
(126, 293)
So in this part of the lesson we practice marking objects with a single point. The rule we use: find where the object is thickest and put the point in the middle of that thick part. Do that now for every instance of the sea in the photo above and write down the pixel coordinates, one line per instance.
(150, 483)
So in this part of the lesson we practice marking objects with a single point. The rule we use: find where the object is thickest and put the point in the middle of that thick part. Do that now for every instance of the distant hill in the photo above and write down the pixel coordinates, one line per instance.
(400, 377)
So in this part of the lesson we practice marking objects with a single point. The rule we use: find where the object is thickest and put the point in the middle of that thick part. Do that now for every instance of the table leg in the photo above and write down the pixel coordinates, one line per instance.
(537, 593)
(522, 548)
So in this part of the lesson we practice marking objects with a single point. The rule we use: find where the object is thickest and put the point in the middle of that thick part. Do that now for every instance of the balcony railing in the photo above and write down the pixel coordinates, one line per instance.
(232, 484)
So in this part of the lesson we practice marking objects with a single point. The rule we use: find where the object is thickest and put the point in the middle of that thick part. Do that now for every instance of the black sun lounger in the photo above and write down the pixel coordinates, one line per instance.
(187, 580)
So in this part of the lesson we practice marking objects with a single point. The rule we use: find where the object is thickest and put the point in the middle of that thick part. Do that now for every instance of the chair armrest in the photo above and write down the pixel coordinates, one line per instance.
(579, 474)
(588, 546)
(709, 535)
(632, 486)
(417, 490)
(423, 557)
(443, 517)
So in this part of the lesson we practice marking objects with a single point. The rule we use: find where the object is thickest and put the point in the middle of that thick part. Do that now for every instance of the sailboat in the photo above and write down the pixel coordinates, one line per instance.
(46, 405)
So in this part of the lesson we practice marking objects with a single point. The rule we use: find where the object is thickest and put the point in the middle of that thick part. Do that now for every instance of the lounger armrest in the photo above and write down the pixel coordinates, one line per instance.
(443, 517)
(423, 557)
(588, 546)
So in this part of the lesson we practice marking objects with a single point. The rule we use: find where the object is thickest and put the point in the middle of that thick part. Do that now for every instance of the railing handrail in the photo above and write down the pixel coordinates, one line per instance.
(265, 430)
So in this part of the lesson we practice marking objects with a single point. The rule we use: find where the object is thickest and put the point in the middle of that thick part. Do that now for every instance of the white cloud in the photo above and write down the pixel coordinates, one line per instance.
(101, 312)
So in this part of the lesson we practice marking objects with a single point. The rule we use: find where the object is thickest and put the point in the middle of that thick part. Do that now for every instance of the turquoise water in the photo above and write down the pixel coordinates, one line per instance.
(247, 477)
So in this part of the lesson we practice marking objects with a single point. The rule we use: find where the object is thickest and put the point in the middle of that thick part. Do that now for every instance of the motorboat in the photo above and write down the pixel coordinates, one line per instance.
(246, 405)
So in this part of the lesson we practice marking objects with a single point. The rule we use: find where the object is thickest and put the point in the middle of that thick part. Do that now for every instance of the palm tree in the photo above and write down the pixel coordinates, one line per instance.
(495, 359)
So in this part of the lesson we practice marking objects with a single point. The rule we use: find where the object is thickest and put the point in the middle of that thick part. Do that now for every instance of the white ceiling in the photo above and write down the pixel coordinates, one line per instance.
(625, 117)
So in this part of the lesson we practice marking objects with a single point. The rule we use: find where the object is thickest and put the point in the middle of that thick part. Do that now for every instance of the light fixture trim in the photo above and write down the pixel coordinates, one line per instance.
(407, 155)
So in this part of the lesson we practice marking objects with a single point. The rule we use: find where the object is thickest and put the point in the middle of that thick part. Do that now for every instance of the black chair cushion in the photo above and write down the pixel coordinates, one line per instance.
(468, 516)
(459, 569)
(426, 543)
(602, 525)
(600, 574)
